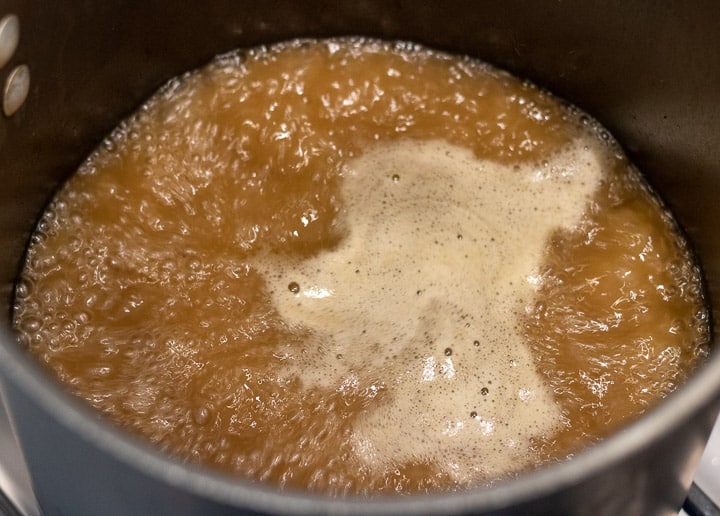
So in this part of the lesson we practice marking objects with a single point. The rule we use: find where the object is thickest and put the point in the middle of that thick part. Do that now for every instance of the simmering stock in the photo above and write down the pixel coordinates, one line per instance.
(357, 267)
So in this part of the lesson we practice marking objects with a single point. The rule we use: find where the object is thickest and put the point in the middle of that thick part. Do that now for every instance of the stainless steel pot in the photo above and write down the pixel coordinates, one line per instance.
(648, 70)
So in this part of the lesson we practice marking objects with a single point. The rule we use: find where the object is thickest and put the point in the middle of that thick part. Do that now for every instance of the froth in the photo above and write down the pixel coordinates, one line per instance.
(423, 299)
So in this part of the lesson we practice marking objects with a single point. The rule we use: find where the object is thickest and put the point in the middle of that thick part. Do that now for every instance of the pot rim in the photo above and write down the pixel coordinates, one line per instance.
(702, 389)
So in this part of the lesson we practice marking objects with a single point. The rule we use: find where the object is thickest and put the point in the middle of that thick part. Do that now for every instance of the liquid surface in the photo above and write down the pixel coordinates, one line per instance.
(355, 267)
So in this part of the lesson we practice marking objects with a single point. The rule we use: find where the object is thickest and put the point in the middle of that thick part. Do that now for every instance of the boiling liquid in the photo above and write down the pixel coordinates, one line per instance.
(355, 267)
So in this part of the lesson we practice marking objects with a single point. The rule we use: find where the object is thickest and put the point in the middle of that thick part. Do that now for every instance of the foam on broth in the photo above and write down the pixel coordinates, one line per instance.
(424, 294)
(357, 267)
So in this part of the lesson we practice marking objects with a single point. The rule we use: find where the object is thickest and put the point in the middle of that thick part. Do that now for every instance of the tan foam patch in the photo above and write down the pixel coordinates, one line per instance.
(424, 298)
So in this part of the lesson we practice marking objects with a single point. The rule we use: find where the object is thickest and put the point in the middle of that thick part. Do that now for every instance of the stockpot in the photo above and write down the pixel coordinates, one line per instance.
(648, 70)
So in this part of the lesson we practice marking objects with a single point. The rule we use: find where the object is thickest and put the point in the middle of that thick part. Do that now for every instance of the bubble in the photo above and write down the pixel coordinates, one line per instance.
(22, 289)
(294, 287)
(448, 352)
(31, 324)
(484, 391)
(396, 178)
(201, 415)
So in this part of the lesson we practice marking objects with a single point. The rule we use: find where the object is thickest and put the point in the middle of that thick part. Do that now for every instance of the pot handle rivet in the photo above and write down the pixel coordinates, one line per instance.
(16, 89)
(9, 37)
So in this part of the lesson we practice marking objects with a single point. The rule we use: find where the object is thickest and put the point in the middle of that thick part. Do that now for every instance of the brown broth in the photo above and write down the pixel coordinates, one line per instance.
(142, 291)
